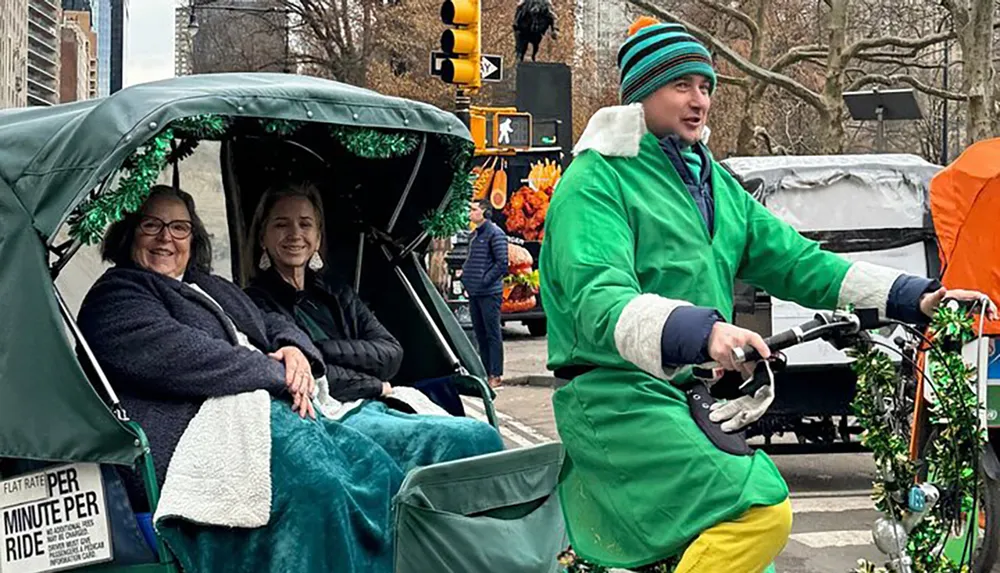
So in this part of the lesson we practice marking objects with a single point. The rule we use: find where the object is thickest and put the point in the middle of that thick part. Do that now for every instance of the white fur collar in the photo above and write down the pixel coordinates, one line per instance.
(614, 131)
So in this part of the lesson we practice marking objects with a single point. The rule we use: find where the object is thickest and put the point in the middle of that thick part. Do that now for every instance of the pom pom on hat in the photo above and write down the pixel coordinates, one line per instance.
(640, 23)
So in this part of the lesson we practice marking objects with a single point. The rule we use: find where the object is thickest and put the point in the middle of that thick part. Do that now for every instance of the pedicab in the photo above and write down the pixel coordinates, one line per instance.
(392, 172)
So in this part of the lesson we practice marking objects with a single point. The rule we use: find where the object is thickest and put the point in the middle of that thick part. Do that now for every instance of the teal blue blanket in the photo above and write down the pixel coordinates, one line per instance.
(332, 488)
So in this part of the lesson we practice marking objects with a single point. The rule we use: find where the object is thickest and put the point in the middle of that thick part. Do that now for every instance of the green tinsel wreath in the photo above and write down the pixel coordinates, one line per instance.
(886, 433)
(953, 459)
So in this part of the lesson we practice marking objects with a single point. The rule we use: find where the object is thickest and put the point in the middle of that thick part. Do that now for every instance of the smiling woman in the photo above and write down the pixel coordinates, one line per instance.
(168, 236)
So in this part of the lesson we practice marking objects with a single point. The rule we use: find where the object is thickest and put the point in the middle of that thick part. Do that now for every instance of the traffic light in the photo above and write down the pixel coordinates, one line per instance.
(461, 43)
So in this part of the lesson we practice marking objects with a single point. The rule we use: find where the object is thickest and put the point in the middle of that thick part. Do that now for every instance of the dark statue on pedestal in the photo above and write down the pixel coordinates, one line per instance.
(532, 19)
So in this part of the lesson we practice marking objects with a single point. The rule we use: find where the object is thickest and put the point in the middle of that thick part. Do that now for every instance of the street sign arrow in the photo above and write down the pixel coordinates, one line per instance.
(491, 68)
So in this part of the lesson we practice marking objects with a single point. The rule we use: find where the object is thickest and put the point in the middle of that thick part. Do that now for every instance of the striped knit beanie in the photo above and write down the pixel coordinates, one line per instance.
(656, 54)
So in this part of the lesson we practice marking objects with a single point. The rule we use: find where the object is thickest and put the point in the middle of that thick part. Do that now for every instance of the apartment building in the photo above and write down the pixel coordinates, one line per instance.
(44, 39)
(13, 53)
(74, 59)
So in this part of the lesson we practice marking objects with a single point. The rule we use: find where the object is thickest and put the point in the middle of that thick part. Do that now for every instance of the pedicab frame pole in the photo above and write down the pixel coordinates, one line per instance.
(145, 466)
(439, 337)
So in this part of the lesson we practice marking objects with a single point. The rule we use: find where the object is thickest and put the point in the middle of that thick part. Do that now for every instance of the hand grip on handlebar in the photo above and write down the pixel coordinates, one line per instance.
(964, 305)
(780, 341)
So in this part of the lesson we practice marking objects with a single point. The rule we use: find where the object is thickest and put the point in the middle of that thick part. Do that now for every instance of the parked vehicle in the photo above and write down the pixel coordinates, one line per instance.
(873, 208)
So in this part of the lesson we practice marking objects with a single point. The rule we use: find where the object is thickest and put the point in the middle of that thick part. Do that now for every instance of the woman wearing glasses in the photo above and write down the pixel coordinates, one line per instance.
(170, 336)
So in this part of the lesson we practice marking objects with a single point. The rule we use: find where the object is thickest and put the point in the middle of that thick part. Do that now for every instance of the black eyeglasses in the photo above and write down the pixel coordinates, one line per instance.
(179, 229)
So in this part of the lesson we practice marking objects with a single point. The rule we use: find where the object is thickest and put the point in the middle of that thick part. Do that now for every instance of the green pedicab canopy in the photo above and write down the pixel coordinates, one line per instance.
(51, 159)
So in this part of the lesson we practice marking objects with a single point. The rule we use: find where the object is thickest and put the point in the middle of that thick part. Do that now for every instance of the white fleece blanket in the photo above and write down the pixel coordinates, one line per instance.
(220, 473)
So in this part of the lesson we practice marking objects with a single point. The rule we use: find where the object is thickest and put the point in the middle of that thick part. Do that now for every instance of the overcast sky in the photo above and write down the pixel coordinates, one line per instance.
(150, 52)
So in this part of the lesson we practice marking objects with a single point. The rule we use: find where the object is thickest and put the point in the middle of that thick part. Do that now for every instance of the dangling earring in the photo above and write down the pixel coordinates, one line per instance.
(315, 262)
(265, 261)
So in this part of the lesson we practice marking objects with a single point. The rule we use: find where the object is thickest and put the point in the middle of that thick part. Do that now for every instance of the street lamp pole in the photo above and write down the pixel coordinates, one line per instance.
(944, 108)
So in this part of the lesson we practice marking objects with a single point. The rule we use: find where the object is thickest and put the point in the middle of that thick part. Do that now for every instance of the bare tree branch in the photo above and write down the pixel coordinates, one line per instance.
(780, 80)
(732, 80)
(959, 16)
(906, 63)
(797, 54)
(913, 43)
(906, 79)
(736, 15)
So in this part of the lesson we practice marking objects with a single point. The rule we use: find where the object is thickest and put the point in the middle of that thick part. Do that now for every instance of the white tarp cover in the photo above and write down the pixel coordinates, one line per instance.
(841, 192)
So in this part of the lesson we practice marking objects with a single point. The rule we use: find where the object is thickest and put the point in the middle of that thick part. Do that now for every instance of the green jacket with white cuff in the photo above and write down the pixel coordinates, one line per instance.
(625, 246)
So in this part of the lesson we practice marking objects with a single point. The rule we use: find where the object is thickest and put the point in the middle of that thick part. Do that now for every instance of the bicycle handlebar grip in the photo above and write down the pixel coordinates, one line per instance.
(780, 341)
(963, 305)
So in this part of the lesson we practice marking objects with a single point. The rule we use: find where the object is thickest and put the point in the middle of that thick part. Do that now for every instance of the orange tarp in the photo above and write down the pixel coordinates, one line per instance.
(965, 206)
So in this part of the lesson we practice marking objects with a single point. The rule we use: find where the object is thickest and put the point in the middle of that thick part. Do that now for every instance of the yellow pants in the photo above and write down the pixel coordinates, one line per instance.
(747, 545)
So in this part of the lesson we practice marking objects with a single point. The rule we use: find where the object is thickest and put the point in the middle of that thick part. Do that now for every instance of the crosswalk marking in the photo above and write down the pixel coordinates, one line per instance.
(822, 539)
(523, 428)
(829, 503)
(505, 431)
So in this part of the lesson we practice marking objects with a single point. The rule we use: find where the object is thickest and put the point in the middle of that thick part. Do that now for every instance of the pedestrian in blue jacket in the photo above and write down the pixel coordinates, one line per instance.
(482, 275)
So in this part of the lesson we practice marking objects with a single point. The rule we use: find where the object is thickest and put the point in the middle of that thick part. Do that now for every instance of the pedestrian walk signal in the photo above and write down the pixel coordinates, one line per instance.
(461, 43)
(512, 130)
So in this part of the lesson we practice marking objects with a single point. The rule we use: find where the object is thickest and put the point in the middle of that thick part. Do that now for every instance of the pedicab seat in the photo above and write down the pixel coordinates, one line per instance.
(495, 512)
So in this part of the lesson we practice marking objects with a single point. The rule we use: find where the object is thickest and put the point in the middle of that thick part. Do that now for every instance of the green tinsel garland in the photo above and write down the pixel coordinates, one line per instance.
(280, 126)
(375, 143)
(573, 564)
(201, 127)
(954, 456)
(455, 216)
(144, 166)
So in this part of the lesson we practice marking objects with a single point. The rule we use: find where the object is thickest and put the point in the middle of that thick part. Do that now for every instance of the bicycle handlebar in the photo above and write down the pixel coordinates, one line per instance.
(831, 324)
(823, 325)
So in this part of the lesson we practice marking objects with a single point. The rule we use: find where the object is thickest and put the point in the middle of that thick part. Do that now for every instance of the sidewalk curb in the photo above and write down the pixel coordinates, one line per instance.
(535, 380)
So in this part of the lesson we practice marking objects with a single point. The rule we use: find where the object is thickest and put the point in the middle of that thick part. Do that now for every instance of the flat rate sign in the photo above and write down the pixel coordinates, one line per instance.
(54, 519)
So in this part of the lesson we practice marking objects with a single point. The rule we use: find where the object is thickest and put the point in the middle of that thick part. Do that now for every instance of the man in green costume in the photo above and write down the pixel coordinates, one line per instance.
(645, 237)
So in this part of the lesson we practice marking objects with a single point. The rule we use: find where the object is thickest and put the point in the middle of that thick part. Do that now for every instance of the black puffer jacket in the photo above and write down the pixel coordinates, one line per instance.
(359, 352)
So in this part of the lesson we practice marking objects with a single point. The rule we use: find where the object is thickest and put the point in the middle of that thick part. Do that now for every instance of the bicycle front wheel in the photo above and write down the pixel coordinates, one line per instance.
(974, 537)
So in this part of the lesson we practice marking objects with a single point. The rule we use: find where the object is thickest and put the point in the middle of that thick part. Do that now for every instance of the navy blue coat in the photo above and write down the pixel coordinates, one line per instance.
(166, 349)
(486, 265)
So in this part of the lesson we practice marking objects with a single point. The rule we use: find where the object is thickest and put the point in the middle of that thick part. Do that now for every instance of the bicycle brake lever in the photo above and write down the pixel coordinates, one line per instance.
(850, 340)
